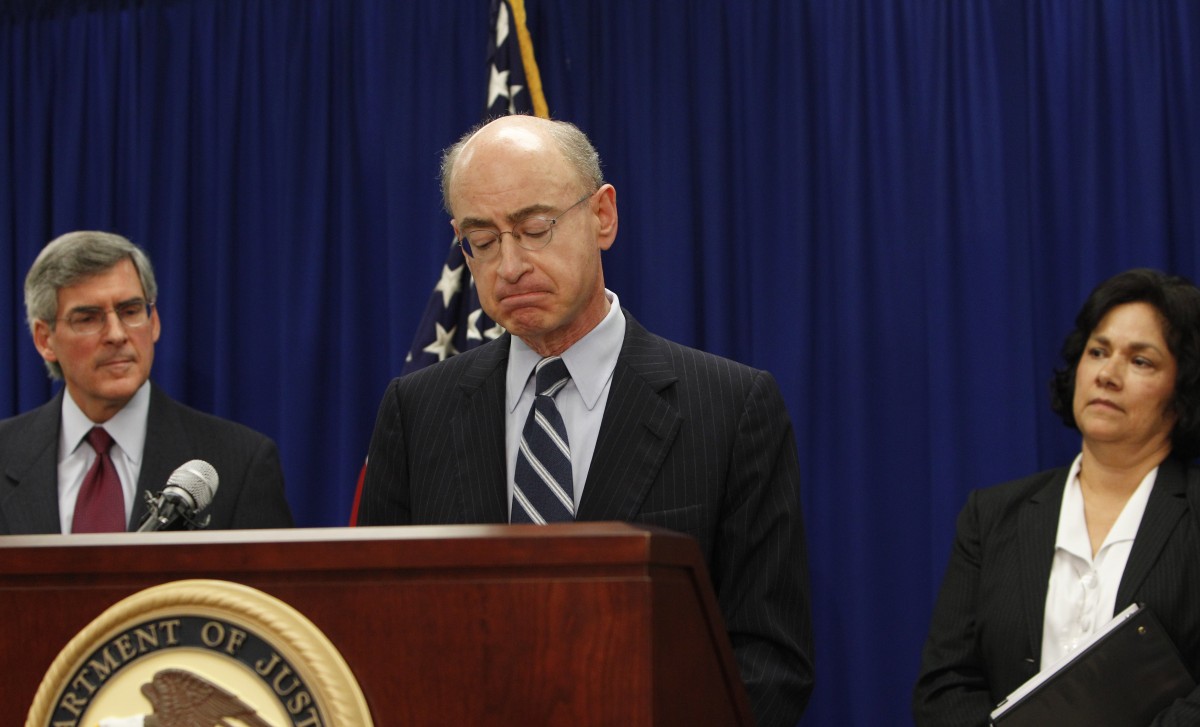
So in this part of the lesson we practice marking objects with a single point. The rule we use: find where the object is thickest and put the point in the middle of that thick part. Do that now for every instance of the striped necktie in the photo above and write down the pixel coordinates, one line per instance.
(542, 491)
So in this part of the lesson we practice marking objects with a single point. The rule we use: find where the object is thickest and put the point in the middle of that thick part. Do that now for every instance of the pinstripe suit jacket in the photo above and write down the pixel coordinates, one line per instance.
(689, 441)
(249, 495)
(986, 635)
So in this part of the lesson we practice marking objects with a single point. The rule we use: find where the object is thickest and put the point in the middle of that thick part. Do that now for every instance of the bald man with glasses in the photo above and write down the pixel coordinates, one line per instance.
(579, 413)
(84, 461)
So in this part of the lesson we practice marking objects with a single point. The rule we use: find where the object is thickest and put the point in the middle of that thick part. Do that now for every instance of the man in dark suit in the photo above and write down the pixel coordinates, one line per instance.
(647, 431)
(89, 301)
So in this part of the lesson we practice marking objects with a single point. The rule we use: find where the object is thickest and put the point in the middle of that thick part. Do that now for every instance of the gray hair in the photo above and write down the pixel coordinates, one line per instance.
(68, 260)
(570, 140)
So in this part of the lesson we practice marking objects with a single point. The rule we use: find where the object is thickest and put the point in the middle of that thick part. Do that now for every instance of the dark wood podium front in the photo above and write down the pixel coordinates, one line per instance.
(582, 624)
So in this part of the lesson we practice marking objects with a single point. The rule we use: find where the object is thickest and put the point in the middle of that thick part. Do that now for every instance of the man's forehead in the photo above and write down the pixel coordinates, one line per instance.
(120, 281)
(513, 196)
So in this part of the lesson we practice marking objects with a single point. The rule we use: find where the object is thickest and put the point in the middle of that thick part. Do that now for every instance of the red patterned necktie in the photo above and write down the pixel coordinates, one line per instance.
(100, 507)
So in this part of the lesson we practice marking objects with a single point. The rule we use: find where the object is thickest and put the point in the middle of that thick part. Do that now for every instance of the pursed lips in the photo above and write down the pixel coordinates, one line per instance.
(516, 297)
(115, 362)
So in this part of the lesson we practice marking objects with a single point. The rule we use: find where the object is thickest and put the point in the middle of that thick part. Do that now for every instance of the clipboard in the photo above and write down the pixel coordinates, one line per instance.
(1125, 675)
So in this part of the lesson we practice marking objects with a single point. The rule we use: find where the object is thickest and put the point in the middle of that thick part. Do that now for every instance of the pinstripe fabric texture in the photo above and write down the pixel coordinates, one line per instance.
(689, 441)
(986, 633)
(250, 494)
(543, 491)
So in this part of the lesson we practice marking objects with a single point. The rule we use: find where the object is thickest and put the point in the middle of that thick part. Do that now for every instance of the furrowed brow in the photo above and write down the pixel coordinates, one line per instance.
(530, 211)
(533, 210)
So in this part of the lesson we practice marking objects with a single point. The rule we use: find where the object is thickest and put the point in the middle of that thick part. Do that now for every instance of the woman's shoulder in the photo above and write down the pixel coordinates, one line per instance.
(1035, 487)
(1190, 472)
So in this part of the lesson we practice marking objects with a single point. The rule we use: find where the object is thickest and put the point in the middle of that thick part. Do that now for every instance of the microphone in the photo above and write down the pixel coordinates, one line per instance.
(189, 489)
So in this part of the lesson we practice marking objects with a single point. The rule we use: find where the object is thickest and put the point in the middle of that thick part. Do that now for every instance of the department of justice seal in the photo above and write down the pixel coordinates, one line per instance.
(199, 653)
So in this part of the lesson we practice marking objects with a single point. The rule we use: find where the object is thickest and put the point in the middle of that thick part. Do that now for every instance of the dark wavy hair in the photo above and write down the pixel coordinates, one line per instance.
(1177, 301)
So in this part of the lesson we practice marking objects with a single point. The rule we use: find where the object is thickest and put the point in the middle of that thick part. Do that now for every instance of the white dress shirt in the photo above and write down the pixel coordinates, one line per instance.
(75, 456)
(1082, 591)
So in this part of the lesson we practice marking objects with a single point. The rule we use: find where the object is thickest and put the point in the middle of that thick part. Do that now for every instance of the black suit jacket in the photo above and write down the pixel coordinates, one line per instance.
(986, 635)
(249, 493)
(689, 441)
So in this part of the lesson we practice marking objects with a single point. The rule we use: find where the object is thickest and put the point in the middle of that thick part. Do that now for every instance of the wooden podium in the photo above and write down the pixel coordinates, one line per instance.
(581, 624)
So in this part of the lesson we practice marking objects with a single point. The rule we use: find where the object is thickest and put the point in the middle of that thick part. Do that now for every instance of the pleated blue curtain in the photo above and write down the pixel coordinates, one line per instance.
(277, 161)
(896, 208)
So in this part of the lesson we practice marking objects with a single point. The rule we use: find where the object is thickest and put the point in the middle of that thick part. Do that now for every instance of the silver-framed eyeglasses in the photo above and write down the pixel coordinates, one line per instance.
(531, 233)
(89, 320)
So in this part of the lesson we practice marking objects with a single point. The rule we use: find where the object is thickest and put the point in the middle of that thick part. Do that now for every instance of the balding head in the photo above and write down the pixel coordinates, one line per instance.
(524, 137)
(514, 170)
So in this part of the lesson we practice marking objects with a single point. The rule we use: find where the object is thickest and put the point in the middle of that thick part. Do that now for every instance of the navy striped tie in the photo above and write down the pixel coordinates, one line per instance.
(542, 491)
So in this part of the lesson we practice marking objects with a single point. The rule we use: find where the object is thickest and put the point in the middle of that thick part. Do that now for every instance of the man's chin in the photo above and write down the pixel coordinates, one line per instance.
(120, 389)
(523, 322)
(525, 329)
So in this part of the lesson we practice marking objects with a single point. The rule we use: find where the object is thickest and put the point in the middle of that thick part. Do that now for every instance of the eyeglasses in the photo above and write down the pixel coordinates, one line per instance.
(87, 321)
(531, 233)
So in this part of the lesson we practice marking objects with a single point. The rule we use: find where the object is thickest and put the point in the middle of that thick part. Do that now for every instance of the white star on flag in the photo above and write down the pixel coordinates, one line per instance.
(498, 86)
(450, 283)
(443, 344)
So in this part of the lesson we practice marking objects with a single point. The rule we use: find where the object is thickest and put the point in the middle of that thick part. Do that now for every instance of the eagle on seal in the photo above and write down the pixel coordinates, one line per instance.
(183, 699)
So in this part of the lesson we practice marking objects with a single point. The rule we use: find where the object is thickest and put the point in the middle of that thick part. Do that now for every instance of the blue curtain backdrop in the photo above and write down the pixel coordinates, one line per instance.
(896, 207)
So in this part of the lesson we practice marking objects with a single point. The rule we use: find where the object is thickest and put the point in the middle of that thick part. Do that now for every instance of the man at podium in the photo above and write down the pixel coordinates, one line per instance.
(579, 413)
(83, 461)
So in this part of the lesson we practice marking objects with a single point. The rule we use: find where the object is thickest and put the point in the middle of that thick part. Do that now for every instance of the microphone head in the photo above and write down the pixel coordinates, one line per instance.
(197, 480)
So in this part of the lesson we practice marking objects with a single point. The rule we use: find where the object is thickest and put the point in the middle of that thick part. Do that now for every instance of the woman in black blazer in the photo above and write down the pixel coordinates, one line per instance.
(1040, 563)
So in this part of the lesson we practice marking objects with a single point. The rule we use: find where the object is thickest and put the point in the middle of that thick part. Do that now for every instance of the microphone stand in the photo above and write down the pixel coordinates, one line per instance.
(155, 521)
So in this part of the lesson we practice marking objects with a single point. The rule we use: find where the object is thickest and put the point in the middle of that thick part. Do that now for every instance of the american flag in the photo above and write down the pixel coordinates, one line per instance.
(453, 321)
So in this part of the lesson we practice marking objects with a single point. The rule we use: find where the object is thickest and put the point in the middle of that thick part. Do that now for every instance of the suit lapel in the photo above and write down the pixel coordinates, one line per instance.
(1164, 509)
(637, 430)
(31, 503)
(165, 449)
(1037, 530)
(479, 428)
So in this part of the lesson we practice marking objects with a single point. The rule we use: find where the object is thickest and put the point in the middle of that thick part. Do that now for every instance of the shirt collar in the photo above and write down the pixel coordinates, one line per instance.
(1072, 525)
(591, 360)
(127, 427)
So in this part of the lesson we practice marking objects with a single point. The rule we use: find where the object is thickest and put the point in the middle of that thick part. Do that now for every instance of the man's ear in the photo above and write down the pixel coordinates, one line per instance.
(41, 340)
(606, 215)
(154, 321)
